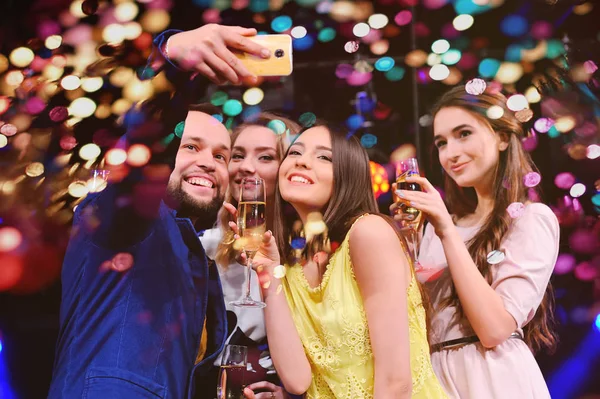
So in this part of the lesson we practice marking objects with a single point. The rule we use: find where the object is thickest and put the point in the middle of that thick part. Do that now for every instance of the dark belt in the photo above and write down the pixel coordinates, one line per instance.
(463, 341)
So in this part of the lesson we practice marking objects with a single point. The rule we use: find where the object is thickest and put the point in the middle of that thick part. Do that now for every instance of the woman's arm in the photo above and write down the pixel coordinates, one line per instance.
(483, 307)
(382, 272)
(285, 346)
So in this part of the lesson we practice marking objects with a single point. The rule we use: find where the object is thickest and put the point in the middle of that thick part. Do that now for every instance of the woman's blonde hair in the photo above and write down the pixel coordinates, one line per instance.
(225, 252)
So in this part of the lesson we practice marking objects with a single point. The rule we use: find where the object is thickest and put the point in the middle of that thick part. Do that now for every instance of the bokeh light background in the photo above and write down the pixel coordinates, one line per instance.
(70, 70)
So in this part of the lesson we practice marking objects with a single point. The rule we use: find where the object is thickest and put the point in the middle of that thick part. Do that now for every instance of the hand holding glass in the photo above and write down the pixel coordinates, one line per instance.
(231, 382)
(252, 225)
(411, 218)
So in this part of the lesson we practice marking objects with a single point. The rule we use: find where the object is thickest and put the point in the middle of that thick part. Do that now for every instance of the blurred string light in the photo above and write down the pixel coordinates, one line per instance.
(463, 22)
(378, 21)
(361, 29)
(440, 46)
(439, 72)
(281, 23)
(298, 32)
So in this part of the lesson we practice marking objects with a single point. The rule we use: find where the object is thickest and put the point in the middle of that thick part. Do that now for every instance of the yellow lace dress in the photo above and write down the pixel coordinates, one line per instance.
(332, 325)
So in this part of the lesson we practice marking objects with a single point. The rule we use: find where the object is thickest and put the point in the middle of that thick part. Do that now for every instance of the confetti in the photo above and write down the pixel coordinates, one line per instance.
(475, 86)
(179, 129)
(524, 115)
(495, 257)
(8, 130)
(59, 114)
(279, 271)
(532, 179)
(516, 209)
(277, 126)
(122, 262)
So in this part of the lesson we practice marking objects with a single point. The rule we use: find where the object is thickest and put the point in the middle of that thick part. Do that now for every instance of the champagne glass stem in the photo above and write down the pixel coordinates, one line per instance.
(248, 276)
(412, 240)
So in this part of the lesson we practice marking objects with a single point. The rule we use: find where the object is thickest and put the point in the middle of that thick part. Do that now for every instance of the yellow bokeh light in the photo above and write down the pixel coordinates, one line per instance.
(434, 59)
(138, 155)
(52, 72)
(495, 112)
(253, 96)
(92, 84)
(132, 30)
(454, 77)
(9, 187)
(509, 72)
(532, 95)
(3, 63)
(53, 42)
(3, 141)
(380, 47)
(14, 78)
(565, 124)
(70, 82)
(155, 20)
(584, 8)
(439, 72)
(416, 58)
(126, 12)
(136, 90)
(34, 169)
(76, 9)
(463, 22)
(120, 106)
(113, 33)
(121, 76)
(21, 57)
(103, 111)
(115, 156)
(378, 21)
(89, 151)
(78, 189)
(49, 90)
(72, 121)
(342, 11)
(82, 107)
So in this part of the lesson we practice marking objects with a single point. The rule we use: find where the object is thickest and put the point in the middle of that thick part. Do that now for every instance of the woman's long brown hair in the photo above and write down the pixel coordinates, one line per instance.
(352, 197)
(513, 165)
(225, 252)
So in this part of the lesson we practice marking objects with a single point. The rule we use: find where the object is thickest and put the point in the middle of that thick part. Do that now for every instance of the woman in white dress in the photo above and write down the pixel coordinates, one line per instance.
(257, 150)
(486, 260)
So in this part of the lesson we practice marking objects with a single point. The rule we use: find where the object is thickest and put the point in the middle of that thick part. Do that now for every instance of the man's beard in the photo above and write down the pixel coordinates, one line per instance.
(203, 214)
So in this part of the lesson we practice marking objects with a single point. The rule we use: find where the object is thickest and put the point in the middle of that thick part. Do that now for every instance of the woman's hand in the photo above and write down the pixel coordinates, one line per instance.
(428, 201)
(275, 391)
(267, 255)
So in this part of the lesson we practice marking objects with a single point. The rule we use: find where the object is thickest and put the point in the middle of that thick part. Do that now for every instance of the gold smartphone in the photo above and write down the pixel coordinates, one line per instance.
(279, 64)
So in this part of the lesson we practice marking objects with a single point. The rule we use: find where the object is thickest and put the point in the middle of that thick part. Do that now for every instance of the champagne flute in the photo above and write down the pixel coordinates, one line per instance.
(252, 225)
(232, 373)
(411, 218)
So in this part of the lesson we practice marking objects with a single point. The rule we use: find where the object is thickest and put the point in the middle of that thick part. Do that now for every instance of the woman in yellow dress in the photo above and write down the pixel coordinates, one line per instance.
(349, 325)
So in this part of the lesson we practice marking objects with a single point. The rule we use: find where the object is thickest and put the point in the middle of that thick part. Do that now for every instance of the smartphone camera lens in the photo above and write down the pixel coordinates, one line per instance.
(279, 53)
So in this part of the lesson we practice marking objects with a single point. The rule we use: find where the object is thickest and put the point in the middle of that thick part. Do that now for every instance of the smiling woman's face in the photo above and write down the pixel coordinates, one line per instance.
(254, 154)
(469, 150)
(306, 174)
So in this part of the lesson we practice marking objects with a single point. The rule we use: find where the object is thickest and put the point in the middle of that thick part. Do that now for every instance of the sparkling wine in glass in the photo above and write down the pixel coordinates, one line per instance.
(252, 224)
(411, 218)
(232, 373)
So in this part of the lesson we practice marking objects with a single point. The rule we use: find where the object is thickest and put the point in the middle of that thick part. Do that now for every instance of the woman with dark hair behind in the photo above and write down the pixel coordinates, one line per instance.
(486, 260)
(352, 324)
